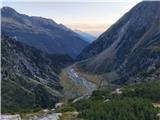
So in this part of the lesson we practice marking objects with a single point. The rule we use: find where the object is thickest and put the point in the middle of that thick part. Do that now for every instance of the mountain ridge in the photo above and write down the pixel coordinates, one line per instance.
(41, 33)
(30, 78)
(130, 45)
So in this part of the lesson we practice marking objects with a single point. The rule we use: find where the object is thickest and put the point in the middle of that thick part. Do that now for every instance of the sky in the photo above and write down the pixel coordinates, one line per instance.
(92, 16)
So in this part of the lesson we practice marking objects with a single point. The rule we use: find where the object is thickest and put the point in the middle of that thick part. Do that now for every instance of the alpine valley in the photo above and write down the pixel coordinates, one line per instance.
(50, 72)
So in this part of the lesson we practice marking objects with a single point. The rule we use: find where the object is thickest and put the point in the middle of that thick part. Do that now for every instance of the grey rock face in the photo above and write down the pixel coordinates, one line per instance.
(29, 77)
(129, 46)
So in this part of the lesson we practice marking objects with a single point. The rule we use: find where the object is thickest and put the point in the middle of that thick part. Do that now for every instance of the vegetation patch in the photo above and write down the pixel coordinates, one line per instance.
(106, 105)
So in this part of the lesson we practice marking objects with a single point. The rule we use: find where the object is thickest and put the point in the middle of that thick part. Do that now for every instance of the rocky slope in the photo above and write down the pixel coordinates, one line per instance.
(29, 77)
(42, 33)
(129, 46)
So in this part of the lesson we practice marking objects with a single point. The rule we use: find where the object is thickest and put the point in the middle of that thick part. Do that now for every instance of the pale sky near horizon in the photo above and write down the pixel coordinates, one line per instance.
(91, 17)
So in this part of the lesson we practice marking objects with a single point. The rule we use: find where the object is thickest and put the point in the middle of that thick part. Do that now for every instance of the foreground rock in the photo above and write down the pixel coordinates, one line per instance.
(53, 116)
(11, 117)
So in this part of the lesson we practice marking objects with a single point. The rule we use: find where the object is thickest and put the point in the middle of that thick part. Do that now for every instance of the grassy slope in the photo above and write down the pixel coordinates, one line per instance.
(101, 80)
(70, 116)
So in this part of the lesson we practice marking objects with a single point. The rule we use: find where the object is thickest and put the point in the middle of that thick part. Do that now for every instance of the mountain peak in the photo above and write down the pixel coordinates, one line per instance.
(8, 11)
(6, 8)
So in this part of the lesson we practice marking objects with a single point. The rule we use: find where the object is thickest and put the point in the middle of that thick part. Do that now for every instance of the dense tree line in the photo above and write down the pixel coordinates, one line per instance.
(135, 103)
(150, 90)
(122, 109)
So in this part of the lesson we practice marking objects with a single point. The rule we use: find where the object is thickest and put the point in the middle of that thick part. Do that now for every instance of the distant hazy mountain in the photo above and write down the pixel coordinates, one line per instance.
(29, 77)
(42, 33)
(86, 36)
(128, 47)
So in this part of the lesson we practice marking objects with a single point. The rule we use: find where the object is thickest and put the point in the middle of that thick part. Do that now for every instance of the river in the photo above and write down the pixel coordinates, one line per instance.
(90, 86)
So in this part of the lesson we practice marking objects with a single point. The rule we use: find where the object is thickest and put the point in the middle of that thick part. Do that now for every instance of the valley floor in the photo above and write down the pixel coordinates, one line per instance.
(90, 86)
(75, 108)
(74, 84)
